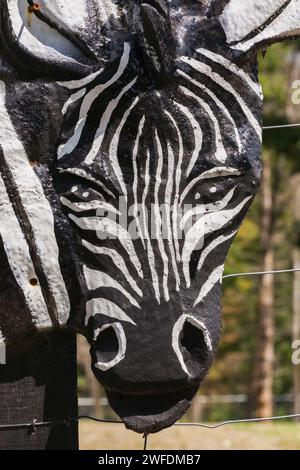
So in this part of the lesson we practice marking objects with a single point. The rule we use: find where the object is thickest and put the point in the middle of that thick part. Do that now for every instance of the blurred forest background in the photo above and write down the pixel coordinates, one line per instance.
(253, 374)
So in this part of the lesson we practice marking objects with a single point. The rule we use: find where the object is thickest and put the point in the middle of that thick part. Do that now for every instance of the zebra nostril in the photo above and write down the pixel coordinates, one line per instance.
(193, 344)
(106, 345)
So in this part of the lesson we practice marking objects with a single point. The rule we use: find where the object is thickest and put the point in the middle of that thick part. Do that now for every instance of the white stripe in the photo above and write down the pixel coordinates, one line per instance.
(202, 209)
(70, 145)
(214, 278)
(104, 123)
(207, 70)
(109, 14)
(198, 136)
(285, 25)
(63, 14)
(168, 199)
(256, 87)
(105, 307)
(221, 153)
(104, 14)
(219, 104)
(177, 186)
(112, 229)
(83, 174)
(218, 241)
(3, 358)
(90, 205)
(117, 260)
(113, 148)
(37, 208)
(207, 224)
(216, 172)
(151, 258)
(238, 21)
(73, 98)
(73, 84)
(97, 279)
(89, 99)
(18, 255)
(136, 179)
(158, 221)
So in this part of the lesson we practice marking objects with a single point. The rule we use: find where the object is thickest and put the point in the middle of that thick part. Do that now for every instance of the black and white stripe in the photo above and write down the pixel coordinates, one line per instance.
(261, 23)
(164, 111)
(27, 231)
(155, 159)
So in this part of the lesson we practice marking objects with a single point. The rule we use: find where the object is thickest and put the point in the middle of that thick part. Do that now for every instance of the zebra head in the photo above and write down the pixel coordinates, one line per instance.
(157, 118)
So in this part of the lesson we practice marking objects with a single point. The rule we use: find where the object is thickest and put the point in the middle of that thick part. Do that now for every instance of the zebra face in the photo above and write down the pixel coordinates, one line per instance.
(129, 155)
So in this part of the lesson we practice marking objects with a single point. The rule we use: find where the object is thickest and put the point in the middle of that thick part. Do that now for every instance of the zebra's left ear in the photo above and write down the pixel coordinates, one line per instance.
(256, 24)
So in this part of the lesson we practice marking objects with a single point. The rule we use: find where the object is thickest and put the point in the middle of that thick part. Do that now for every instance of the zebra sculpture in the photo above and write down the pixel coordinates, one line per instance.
(109, 109)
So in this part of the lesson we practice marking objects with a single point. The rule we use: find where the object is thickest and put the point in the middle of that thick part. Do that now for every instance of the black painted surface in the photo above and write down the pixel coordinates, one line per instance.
(40, 384)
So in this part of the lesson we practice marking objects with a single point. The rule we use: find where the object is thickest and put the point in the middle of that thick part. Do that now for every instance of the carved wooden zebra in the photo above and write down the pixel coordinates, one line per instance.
(129, 154)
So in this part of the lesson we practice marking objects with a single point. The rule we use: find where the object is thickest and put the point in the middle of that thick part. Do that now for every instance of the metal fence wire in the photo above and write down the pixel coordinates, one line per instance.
(31, 427)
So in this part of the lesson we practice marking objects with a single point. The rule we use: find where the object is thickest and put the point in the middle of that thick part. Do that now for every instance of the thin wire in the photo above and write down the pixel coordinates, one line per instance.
(261, 273)
(35, 424)
(145, 436)
(238, 421)
(282, 126)
(98, 420)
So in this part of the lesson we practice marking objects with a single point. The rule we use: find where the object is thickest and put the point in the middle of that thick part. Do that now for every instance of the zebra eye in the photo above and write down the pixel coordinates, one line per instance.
(109, 346)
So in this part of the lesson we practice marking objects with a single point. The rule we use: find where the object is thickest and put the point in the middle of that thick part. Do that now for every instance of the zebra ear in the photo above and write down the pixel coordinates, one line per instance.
(258, 23)
(158, 42)
(44, 38)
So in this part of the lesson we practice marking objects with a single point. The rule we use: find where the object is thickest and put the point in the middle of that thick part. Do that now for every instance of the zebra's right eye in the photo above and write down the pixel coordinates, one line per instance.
(109, 346)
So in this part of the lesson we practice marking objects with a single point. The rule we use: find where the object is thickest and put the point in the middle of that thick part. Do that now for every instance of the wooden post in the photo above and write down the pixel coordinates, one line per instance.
(40, 384)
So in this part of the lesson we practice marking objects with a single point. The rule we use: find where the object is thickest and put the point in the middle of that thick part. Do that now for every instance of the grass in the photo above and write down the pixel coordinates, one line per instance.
(262, 436)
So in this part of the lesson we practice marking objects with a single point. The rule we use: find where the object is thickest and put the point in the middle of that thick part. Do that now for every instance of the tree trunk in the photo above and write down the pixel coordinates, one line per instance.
(295, 186)
(262, 386)
(296, 325)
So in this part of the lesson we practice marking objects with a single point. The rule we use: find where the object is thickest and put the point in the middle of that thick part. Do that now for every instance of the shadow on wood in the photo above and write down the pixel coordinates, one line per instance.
(41, 383)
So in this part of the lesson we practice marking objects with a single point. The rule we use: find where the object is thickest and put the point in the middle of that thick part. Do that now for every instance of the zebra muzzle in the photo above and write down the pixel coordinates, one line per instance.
(149, 391)
(151, 413)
